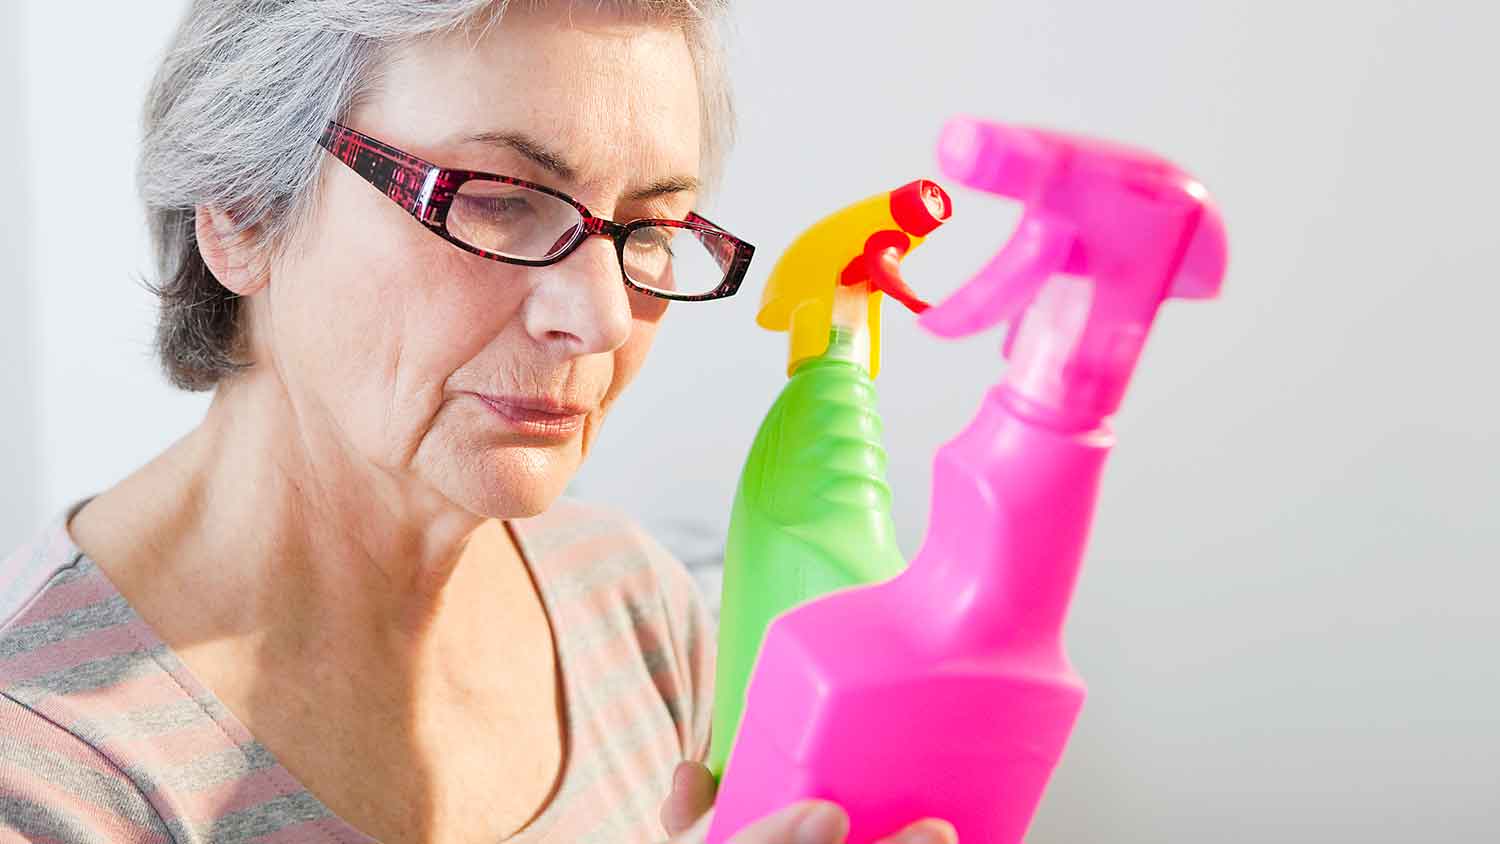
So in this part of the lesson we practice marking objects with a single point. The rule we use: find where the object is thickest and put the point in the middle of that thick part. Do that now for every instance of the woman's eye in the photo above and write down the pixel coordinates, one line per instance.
(500, 207)
(656, 240)
(497, 207)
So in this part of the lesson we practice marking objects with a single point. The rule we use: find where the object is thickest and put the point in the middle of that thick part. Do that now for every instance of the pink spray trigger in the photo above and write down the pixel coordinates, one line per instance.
(1001, 291)
(1131, 225)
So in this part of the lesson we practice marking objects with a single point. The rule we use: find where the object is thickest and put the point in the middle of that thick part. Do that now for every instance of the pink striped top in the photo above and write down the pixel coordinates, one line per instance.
(105, 736)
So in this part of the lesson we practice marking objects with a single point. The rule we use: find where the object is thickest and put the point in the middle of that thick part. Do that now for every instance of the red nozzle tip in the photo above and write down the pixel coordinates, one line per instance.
(919, 207)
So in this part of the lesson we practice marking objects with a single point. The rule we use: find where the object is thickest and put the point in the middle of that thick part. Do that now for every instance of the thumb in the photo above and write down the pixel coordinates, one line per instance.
(692, 794)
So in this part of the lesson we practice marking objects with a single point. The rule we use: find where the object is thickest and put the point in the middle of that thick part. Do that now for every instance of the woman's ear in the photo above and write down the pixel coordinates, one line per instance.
(236, 258)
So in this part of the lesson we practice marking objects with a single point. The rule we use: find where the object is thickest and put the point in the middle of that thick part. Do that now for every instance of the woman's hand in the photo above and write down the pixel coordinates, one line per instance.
(809, 822)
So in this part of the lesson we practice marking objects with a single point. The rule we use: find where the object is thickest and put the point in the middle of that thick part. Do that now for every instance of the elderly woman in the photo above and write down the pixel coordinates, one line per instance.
(417, 250)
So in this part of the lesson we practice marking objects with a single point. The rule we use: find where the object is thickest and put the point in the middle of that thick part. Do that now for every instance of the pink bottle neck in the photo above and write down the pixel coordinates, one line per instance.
(1013, 500)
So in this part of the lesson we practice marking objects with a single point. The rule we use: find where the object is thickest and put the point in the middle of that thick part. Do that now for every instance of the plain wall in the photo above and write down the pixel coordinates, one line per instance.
(1287, 618)
(19, 464)
(104, 407)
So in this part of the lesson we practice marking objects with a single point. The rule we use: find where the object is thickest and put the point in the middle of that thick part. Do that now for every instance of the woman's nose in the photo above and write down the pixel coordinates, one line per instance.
(581, 303)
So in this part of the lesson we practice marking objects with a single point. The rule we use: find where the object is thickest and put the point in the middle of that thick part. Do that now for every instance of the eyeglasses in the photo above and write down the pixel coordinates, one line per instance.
(519, 222)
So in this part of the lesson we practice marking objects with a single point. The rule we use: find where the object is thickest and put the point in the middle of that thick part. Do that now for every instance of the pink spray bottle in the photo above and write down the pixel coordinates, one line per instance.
(945, 692)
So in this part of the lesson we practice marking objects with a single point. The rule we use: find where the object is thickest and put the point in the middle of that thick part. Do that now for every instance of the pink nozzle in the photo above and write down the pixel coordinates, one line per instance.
(990, 157)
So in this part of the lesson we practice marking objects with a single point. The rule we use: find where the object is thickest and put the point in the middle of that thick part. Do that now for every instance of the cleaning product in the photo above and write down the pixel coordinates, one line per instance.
(945, 692)
(812, 512)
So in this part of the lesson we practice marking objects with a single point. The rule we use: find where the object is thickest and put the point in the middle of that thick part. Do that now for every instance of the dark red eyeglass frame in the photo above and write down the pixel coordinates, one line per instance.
(426, 191)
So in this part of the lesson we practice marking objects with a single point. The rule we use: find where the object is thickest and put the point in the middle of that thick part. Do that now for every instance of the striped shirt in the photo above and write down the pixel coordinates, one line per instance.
(106, 736)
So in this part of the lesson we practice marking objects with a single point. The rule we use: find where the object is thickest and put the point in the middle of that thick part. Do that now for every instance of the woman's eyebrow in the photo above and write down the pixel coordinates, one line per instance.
(529, 147)
(555, 164)
(666, 187)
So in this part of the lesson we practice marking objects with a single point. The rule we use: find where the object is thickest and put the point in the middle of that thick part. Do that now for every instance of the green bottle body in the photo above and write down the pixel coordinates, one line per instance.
(812, 514)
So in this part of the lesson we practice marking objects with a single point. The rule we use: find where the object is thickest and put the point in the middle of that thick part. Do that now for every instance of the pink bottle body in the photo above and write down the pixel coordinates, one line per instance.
(946, 692)
(886, 701)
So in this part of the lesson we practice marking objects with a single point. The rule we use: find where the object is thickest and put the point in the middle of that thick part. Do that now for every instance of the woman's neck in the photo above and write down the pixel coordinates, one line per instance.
(257, 522)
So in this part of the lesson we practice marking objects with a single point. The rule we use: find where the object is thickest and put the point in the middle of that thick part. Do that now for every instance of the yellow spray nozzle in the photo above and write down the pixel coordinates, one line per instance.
(861, 244)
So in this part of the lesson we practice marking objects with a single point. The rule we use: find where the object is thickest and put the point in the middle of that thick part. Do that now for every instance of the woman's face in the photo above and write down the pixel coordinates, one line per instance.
(480, 381)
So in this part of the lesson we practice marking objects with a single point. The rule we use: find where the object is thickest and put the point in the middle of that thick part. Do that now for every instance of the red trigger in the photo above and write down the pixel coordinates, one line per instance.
(884, 267)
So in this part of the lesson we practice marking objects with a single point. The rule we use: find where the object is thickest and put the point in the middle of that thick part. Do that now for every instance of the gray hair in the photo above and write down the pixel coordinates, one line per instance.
(242, 94)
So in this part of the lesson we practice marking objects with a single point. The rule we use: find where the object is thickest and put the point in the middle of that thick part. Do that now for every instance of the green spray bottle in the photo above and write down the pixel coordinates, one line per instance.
(813, 511)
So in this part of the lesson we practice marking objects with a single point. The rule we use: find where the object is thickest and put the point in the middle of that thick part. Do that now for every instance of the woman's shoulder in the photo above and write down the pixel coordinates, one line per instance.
(60, 788)
(597, 564)
(616, 591)
(47, 560)
(58, 611)
(583, 546)
(66, 633)
(54, 609)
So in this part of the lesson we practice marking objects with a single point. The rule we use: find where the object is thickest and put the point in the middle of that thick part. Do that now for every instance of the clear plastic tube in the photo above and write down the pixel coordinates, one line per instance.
(849, 338)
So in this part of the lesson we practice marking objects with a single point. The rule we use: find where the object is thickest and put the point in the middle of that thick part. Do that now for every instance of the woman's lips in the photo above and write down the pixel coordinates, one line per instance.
(540, 417)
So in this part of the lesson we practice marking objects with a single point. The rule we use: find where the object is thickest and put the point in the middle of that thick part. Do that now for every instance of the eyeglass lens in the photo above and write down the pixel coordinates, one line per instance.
(519, 222)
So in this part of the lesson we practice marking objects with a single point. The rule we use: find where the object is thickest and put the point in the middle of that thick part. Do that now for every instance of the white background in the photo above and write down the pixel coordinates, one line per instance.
(1288, 617)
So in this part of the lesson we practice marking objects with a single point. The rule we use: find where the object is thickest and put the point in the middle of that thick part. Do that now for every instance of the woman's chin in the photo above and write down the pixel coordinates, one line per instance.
(496, 474)
(513, 482)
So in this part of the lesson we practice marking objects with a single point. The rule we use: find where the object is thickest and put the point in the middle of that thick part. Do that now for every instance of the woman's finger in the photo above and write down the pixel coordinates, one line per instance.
(692, 794)
(809, 822)
(930, 831)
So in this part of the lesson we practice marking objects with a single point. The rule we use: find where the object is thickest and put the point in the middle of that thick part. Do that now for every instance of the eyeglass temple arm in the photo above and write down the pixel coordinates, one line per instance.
(404, 178)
